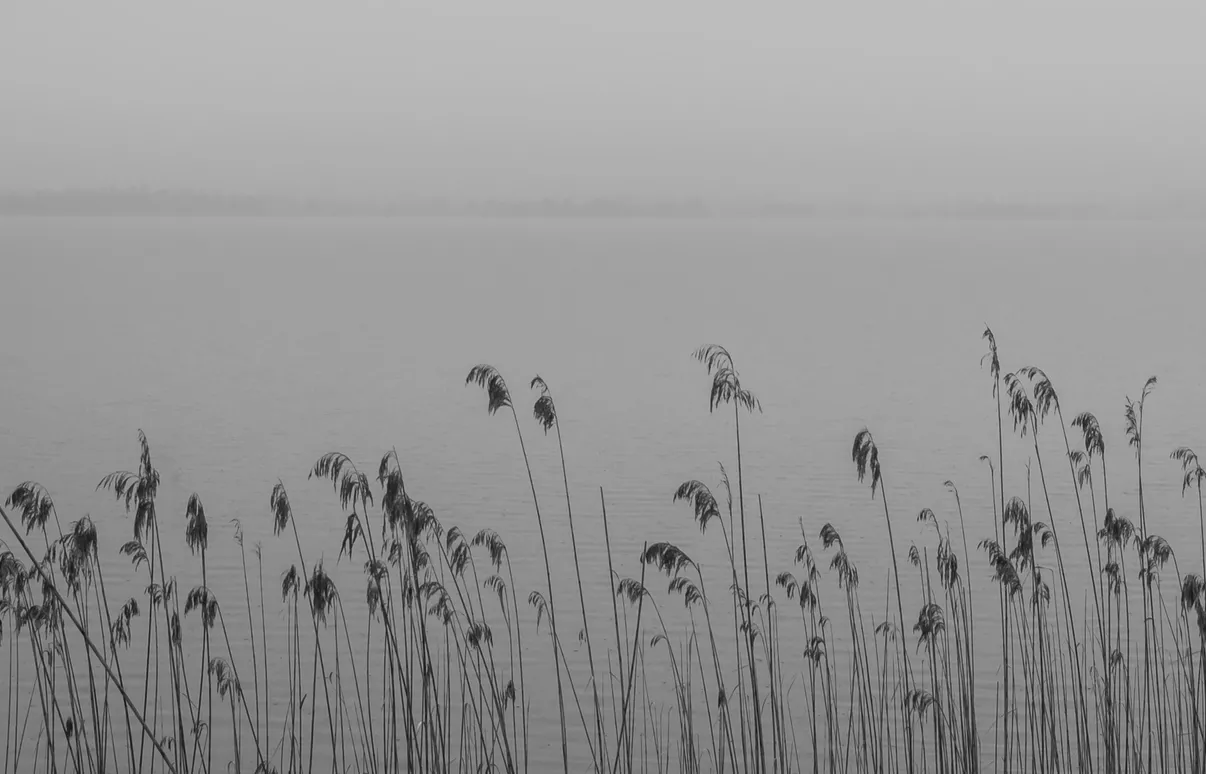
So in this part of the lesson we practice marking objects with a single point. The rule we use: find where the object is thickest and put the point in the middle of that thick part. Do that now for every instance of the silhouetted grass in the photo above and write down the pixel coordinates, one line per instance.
(429, 676)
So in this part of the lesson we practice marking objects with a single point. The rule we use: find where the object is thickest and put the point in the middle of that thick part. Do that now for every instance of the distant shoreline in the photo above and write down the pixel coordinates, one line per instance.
(140, 203)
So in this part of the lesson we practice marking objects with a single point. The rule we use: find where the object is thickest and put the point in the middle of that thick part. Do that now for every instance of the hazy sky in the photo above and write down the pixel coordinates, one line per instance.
(525, 98)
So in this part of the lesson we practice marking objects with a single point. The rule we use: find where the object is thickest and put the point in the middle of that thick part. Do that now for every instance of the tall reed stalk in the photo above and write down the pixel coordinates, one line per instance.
(499, 397)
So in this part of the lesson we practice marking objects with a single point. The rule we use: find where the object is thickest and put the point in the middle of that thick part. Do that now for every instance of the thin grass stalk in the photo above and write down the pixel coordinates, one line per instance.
(625, 703)
(366, 740)
(546, 414)
(995, 367)
(611, 578)
(103, 603)
(778, 754)
(1134, 416)
(866, 458)
(255, 664)
(726, 388)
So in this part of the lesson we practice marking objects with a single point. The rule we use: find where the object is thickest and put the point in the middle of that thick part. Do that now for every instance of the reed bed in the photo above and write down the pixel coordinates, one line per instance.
(437, 664)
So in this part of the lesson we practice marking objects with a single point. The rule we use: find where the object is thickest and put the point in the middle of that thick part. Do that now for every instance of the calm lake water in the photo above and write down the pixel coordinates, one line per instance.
(247, 348)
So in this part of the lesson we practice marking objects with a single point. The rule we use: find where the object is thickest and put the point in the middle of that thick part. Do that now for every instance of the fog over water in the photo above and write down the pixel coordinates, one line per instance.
(535, 98)
(245, 348)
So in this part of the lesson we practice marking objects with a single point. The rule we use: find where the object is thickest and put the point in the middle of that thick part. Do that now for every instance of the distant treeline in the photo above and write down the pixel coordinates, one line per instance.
(145, 202)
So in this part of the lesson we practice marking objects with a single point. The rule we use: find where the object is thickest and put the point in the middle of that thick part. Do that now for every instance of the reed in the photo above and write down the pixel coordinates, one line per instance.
(708, 676)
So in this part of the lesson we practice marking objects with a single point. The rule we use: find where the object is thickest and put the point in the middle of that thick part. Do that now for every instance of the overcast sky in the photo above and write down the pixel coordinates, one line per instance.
(525, 98)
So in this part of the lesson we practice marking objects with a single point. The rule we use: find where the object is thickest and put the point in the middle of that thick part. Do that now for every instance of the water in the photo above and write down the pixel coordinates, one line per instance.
(246, 348)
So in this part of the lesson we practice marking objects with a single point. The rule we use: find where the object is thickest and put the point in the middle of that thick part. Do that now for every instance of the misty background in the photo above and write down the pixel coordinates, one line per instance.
(1088, 104)
(245, 348)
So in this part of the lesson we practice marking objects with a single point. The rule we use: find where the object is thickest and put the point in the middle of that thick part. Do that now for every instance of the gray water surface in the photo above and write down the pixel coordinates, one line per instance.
(246, 348)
